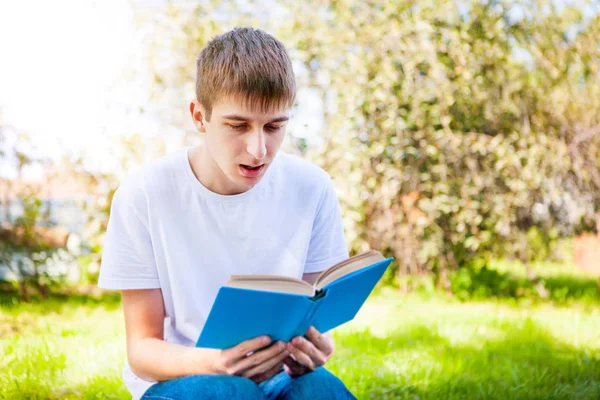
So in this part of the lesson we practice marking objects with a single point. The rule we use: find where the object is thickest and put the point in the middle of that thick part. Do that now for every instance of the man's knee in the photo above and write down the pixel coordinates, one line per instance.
(235, 387)
(221, 387)
(320, 384)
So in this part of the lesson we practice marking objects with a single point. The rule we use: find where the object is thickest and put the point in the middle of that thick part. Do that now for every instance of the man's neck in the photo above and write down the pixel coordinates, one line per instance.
(210, 175)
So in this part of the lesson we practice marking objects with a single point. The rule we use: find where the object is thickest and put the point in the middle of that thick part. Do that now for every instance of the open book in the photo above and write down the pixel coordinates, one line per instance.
(284, 284)
(281, 307)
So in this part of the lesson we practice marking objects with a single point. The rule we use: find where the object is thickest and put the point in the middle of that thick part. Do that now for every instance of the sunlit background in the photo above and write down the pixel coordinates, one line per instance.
(66, 75)
(463, 139)
(77, 76)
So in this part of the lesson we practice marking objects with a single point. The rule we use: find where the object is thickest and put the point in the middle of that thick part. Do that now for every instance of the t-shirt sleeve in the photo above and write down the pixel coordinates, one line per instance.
(327, 243)
(127, 257)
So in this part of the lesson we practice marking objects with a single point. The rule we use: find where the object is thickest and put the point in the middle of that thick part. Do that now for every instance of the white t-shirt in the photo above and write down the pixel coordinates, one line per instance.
(167, 230)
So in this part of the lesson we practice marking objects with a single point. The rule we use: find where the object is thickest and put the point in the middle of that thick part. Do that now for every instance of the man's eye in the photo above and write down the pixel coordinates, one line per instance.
(238, 127)
(273, 128)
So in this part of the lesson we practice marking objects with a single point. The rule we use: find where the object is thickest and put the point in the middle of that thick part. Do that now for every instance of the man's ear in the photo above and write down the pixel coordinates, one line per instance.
(197, 112)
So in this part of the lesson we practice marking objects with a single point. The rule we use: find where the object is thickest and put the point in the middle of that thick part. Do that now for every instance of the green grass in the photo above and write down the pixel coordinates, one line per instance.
(396, 348)
(66, 347)
(413, 349)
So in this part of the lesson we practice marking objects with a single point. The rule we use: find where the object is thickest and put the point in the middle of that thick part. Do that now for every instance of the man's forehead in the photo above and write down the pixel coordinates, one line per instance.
(246, 109)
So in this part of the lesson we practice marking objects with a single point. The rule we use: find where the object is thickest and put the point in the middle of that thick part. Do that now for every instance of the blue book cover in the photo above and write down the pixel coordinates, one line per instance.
(239, 313)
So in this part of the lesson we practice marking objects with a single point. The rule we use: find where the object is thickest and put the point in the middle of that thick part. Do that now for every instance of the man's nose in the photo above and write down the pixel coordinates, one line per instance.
(257, 144)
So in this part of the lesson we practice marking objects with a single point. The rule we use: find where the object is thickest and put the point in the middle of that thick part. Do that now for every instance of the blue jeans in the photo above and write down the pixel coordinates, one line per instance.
(319, 384)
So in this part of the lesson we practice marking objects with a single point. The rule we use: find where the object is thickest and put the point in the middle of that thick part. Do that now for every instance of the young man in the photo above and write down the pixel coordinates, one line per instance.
(179, 227)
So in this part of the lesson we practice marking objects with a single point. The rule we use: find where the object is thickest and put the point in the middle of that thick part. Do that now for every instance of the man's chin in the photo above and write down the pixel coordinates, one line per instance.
(244, 181)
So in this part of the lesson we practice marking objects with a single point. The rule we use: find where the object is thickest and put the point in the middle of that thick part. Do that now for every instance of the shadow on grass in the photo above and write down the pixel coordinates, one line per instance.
(564, 287)
(483, 283)
(414, 337)
(521, 362)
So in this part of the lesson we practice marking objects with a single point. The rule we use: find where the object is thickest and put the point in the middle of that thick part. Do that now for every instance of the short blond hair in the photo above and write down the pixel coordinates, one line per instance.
(249, 64)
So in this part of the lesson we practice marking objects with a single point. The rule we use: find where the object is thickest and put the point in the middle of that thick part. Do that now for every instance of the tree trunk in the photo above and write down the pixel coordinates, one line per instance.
(41, 288)
(6, 202)
(23, 290)
(444, 277)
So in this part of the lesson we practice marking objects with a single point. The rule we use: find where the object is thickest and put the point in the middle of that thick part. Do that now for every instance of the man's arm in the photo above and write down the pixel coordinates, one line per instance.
(149, 356)
(152, 358)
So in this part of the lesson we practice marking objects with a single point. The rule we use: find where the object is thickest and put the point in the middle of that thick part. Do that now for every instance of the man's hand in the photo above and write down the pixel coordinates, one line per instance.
(249, 361)
(308, 355)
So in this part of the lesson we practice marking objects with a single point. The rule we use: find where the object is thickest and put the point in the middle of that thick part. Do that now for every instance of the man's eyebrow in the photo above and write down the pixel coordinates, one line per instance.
(236, 117)
(244, 119)
(280, 119)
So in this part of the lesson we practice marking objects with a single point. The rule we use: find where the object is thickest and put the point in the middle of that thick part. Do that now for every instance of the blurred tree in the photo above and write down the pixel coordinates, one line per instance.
(28, 244)
(455, 131)
(131, 152)
(445, 144)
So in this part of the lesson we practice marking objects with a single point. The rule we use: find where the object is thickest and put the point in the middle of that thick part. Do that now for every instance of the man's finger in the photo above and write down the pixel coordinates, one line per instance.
(292, 367)
(269, 374)
(262, 360)
(241, 350)
(260, 372)
(301, 357)
(320, 341)
(316, 356)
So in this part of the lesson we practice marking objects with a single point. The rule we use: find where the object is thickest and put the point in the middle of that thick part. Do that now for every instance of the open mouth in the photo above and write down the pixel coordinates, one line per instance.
(251, 168)
(251, 171)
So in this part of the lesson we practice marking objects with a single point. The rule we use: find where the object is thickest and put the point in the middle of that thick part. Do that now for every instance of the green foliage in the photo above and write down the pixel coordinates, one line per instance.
(482, 282)
(447, 148)
(508, 281)
(97, 215)
(453, 137)
(25, 251)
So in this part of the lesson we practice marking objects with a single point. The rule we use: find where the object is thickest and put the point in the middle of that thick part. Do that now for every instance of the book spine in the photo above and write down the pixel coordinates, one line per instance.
(309, 317)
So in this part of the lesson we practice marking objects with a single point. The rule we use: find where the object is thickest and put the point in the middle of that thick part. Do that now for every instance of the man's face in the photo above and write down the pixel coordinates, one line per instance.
(242, 142)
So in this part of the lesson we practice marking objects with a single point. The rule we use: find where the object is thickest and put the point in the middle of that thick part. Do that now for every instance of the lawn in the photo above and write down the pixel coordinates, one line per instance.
(398, 347)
